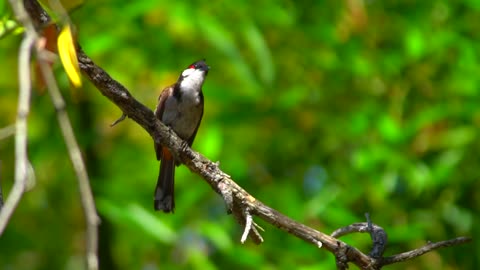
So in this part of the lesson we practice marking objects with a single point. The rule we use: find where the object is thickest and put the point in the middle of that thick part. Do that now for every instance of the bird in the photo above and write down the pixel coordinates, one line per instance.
(180, 106)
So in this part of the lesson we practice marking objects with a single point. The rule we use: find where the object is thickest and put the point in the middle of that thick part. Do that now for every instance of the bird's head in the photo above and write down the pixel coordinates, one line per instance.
(194, 75)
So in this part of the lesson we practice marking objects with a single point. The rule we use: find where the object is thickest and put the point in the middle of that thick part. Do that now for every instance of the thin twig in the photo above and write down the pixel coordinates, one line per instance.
(241, 213)
(119, 120)
(7, 131)
(352, 228)
(427, 248)
(21, 158)
(248, 225)
(74, 152)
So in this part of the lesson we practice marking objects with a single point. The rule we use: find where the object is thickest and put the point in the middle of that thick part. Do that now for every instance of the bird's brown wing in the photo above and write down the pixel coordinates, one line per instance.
(159, 113)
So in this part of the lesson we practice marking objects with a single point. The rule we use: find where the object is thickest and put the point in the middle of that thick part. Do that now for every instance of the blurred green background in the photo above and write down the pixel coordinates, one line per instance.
(324, 110)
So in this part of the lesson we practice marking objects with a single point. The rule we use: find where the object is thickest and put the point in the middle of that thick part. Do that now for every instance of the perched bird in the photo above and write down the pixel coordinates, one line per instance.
(180, 106)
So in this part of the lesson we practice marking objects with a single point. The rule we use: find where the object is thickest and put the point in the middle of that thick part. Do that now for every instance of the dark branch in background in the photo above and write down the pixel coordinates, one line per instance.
(238, 201)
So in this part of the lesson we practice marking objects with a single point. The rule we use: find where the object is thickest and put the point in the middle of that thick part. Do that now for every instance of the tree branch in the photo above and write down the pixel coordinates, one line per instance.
(86, 194)
(21, 158)
(427, 248)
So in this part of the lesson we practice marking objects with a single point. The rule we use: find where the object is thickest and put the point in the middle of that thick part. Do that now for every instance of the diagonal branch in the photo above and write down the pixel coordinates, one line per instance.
(405, 256)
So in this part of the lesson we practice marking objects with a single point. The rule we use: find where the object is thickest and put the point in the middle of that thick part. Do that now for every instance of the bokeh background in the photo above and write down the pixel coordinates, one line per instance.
(324, 110)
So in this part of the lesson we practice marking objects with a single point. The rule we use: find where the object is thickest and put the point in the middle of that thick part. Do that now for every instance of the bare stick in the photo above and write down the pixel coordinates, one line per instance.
(427, 248)
(7, 131)
(248, 226)
(352, 228)
(75, 154)
(119, 120)
(21, 158)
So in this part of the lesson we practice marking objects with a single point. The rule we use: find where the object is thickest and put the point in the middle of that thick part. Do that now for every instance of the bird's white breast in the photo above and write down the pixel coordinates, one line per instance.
(183, 117)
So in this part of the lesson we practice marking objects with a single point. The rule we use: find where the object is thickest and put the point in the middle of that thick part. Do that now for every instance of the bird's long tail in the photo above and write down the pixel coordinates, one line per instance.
(164, 191)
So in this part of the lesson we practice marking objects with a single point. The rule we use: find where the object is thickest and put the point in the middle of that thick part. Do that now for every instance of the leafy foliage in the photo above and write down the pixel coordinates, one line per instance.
(323, 110)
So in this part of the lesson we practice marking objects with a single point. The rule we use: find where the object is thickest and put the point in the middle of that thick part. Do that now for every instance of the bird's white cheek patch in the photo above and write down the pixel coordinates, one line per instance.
(187, 72)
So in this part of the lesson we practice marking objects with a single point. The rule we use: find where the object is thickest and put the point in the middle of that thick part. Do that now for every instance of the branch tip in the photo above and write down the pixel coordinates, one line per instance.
(248, 225)
(119, 120)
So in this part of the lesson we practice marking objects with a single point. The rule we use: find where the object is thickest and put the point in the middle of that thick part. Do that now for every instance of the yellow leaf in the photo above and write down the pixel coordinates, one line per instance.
(68, 56)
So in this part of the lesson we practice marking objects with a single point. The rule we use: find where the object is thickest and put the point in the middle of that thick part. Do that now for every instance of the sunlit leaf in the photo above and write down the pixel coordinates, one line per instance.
(212, 142)
(263, 56)
(389, 129)
(415, 43)
(198, 260)
(9, 27)
(223, 41)
(218, 235)
(150, 223)
(138, 217)
(68, 56)
(461, 218)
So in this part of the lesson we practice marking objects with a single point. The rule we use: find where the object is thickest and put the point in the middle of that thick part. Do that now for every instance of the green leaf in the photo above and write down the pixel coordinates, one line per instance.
(9, 27)
(223, 41)
(414, 43)
(137, 216)
(217, 234)
(389, 129)
(263, 56)
(212, 142)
